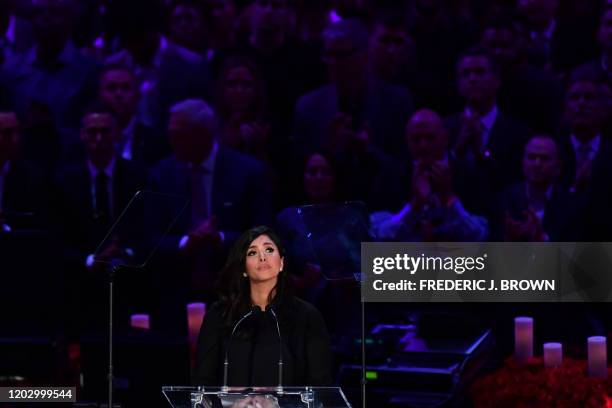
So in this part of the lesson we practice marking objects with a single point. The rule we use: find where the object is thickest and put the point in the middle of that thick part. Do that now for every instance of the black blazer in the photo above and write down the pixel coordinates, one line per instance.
(80, 233)
(253, 355)
(74, 204)
(241, 196)
(507, 140)
(150, 145)
(25, 196)
(563, 215)
(600, 166)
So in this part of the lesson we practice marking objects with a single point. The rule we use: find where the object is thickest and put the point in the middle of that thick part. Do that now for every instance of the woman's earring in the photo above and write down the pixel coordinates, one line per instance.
(244, 274)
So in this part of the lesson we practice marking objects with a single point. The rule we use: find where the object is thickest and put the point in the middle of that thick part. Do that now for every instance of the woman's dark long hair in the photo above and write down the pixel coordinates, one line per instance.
(234, 289)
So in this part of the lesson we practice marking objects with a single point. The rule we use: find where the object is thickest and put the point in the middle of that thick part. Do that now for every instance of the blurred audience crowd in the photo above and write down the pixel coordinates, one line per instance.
(451, 120)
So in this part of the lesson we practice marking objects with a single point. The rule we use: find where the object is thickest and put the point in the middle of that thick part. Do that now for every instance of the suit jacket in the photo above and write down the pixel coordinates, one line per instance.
(25, 192)
(386, 109)
(373, 178)
(563, 215)
(599, 201)
(74, 204)
(241, 196)
(599, 167)
(150, 146)
(533, 96)
(572, 43)
(507, 139)
(80, 234)
(598, 193)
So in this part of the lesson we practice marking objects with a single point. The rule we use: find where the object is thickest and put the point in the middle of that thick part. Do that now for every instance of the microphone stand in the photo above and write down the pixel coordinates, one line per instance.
(279, 389)
(113, 269)
(363, 356)
(225, 388)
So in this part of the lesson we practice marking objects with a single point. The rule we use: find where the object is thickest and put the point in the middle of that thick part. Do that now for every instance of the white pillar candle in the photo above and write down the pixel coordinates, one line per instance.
(195, 316)
(523, 338)
(598, 358)
(140, 321)
(553, 355)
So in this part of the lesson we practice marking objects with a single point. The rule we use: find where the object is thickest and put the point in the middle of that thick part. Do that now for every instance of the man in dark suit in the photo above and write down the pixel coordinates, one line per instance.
(527, 93)
(354, 104)
(556, 43)
(435, 211)
(228, 192)
(585, 151)
(483, 136)
(23, 196)
(539, 208)
(166, 72)
(140, 142)
(601, 66)
(91, 195)
(233, 196)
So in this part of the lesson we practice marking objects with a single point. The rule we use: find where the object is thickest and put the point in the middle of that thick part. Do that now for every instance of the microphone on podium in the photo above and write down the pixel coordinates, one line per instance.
(279, 388)
(253, 310)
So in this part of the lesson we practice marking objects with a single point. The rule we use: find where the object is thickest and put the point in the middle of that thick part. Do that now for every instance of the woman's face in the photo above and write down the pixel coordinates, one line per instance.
(263, 260)
(318, 179)
(239, 92)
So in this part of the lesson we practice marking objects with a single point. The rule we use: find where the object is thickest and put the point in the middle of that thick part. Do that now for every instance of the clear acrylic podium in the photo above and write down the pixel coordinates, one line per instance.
(236, 397)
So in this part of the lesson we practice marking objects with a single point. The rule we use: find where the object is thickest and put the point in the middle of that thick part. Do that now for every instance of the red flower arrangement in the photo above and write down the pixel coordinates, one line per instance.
(518, 385)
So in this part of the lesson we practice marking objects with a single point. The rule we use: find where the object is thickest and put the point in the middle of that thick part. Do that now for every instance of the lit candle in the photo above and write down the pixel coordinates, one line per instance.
(553, 354)
(598, 358)
(195, 316)
(140, 321)
(523, 338)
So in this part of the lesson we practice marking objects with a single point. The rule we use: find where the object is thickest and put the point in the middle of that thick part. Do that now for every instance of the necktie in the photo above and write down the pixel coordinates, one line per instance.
(103, 213)
(199, 202)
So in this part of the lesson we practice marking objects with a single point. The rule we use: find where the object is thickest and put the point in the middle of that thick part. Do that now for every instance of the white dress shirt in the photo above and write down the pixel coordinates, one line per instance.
(592, 146)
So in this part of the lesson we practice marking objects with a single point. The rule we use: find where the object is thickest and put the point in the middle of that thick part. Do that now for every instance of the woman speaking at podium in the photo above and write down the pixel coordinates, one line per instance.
(258, 334)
